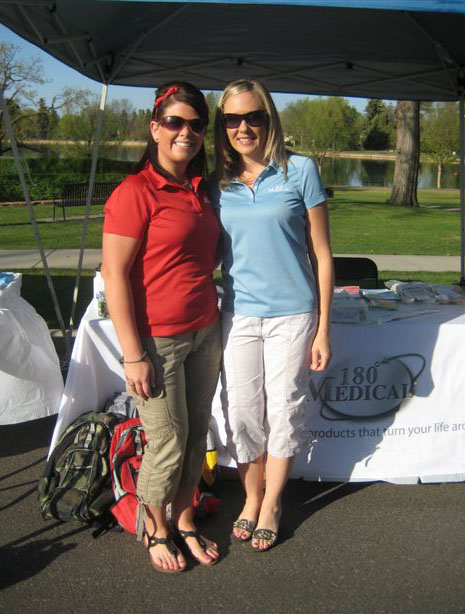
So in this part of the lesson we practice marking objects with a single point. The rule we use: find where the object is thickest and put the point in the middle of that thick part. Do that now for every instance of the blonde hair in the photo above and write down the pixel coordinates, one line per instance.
(228, 161)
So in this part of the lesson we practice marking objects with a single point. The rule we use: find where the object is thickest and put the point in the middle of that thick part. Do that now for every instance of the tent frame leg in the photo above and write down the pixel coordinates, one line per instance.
(27, 198)
(462, 189)
(93, 171)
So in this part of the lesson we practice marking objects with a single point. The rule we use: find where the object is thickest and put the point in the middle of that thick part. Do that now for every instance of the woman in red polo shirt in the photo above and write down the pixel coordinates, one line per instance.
(159, 248)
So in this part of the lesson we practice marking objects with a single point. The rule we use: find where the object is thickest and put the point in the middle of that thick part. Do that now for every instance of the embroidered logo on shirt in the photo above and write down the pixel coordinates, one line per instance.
(278, 188)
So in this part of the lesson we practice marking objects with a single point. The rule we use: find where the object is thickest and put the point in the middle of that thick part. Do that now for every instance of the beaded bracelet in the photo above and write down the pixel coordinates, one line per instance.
(130, 362)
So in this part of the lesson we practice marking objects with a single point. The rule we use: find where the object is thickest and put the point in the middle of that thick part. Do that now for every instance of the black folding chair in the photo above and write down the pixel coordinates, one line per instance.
(353, 271)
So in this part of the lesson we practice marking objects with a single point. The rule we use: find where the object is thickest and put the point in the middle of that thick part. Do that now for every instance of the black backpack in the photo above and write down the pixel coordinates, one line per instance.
(77, 480)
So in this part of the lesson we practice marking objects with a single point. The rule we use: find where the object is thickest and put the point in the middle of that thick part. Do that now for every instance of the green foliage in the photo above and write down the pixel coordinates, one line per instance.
(439, 133)
(212, 101)
(76, 128)
(17, 78)
(322, 125)
(378, 129)
(45, 176)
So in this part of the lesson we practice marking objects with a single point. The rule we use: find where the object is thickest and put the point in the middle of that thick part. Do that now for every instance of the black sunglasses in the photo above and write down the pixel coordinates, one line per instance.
(256, 119)
(174, 123)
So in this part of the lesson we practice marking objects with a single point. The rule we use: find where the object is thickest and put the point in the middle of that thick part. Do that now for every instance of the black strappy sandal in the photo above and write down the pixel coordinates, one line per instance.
(202, 543)
(165, 541)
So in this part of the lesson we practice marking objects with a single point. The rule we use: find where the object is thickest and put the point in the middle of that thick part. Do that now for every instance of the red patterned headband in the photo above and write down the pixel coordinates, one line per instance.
(158, 101)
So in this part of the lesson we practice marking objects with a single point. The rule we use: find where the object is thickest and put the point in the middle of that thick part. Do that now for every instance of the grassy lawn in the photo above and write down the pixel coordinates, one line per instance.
(16, 230)
(361, 222)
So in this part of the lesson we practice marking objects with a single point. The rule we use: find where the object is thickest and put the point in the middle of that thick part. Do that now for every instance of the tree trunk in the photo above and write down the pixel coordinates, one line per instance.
(439, 175)
(404, 186)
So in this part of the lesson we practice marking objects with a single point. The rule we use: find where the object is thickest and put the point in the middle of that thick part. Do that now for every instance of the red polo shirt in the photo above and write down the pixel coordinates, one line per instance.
(172, 276)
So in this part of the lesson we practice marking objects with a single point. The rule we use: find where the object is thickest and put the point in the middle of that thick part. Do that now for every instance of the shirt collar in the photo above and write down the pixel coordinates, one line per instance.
(271, 165)
(274, 165)
(162, 182)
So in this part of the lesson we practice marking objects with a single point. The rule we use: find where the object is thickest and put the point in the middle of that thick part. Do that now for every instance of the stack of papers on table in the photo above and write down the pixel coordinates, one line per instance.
(347, 310)
(381, 298)
(353, 291)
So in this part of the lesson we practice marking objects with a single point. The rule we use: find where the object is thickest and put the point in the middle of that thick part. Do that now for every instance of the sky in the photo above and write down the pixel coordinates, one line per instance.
(59, 76)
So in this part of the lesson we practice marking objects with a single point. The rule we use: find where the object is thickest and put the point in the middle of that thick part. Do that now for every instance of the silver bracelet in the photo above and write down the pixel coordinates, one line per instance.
(130, 362)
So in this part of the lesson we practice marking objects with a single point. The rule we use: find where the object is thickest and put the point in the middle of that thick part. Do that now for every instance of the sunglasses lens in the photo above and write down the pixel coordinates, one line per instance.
(231, 120)
(196, 125)
(256, 119)
(174, 122)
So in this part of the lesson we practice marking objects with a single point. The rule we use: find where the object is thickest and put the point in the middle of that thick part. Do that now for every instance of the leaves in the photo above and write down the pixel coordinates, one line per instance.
(321, 126)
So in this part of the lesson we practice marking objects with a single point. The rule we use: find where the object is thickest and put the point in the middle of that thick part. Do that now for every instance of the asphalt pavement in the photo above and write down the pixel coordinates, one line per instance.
(69, 258)
(360, 548)
(366, 548)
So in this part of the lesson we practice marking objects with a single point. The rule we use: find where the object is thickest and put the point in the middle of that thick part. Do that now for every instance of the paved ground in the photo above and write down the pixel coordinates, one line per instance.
(371, 548)
(68, 258)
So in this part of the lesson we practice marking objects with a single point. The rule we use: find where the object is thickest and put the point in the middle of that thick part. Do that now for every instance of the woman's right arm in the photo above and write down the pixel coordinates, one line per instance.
(119, 253)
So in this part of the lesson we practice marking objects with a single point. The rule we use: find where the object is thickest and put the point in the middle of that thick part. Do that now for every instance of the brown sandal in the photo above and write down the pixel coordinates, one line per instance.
(170, 546)
(202, 543)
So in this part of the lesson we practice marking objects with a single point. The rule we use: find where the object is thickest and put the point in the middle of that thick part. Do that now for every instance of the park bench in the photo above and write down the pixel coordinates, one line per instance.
(75, 195)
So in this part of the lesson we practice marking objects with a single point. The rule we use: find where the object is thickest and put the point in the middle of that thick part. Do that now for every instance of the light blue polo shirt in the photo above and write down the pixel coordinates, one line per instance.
(267, 272)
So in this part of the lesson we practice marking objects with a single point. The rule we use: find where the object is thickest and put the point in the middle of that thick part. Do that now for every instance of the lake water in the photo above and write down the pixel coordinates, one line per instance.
(346, 171)
(336, 171)
(358, 173)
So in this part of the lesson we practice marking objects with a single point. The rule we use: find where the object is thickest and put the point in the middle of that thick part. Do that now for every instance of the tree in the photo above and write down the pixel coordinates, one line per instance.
(378, 129)
(17, 77)
(404, 186)
(439, 134)
(322, 126)
(212, 102)
(43, 121)
(118, 119)
(140, 124)
(77, 126)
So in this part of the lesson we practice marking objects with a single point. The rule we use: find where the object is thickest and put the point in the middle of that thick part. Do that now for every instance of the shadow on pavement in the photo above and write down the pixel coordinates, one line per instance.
(23, 559)
(26, 436)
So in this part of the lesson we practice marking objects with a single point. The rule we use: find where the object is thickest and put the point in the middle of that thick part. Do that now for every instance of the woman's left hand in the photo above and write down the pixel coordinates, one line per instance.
(321, 352)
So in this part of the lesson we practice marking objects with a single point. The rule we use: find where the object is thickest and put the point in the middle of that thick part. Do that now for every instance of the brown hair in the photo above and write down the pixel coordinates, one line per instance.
(189, 94)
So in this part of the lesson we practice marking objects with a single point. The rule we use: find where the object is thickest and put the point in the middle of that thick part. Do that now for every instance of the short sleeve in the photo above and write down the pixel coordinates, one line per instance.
(311, 185)
(128, 210)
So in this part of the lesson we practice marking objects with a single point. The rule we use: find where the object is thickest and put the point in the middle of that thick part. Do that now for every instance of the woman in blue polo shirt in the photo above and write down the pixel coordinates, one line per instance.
(278, 283)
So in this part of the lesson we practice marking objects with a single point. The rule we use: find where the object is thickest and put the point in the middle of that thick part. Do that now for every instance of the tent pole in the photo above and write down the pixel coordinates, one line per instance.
(30, 210)
(462, 190)
(93, 170)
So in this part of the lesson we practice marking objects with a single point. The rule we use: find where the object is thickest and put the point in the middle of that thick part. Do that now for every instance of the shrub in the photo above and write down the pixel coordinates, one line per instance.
(45, 176)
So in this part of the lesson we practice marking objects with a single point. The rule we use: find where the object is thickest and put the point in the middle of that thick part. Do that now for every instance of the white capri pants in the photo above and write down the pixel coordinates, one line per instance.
(265, 377)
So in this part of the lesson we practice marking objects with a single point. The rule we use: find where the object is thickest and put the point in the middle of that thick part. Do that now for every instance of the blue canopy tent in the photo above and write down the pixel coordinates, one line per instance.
(398, 49)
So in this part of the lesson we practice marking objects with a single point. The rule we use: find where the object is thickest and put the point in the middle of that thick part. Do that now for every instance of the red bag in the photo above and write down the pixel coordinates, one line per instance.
(127, 446)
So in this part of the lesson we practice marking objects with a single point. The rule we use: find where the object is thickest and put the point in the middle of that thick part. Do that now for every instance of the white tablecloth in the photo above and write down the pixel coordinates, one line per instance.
(360, 427)
(31, 384)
